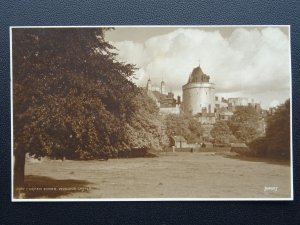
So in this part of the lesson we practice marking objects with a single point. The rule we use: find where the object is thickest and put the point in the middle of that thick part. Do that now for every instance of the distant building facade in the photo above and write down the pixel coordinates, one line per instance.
(238, 101)
(165, 101)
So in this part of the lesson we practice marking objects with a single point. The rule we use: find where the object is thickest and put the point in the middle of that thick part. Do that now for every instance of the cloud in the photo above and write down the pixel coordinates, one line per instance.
(250, 62)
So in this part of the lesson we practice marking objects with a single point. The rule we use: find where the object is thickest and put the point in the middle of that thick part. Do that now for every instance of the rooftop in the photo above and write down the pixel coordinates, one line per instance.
(198, 76)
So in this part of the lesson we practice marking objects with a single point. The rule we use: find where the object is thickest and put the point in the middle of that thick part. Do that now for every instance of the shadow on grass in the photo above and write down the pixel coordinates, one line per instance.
(47, 187)
(282, 162)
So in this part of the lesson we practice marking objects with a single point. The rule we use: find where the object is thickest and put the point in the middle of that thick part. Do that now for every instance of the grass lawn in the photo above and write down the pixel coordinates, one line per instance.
(171, 175)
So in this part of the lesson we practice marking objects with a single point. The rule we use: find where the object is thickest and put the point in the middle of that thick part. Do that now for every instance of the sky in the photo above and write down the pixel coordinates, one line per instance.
(250, 61)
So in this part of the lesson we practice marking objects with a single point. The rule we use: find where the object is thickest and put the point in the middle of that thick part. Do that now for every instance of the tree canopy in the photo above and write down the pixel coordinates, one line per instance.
(183, 125)
(72, 97)
(245, 123)
(221, 133)
(276, 142)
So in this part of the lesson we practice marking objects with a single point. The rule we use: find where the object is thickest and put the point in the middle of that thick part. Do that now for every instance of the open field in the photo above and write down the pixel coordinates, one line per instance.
(173, 175)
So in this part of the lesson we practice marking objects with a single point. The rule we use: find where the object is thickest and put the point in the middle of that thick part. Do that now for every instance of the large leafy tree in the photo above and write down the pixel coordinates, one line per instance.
(146, 128)
(222, 133)
(183, 125)
(245, 123)
(71, 97)
(276, 142)
(278, 132)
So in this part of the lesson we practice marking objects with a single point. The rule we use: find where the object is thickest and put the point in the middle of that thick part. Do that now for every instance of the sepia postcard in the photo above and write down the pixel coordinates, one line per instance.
(151, 113)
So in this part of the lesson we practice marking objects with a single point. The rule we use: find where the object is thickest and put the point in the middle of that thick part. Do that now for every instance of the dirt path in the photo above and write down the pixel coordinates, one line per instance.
(176, 175)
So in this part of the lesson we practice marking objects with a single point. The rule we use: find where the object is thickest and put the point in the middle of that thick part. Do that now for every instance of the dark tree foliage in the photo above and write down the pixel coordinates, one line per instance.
(258, 147)
(276, 143)
(145, 128)
(183, 125)
(71, 97)
(221, 133)
(245, 123)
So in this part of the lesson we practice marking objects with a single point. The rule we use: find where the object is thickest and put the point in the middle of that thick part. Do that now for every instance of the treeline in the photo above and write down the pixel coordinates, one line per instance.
(244, 126)
(247, 126)
(72, 98)
(276, 142)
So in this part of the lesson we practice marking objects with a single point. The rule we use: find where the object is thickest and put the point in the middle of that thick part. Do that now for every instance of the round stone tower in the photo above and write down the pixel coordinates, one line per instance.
(198, 94)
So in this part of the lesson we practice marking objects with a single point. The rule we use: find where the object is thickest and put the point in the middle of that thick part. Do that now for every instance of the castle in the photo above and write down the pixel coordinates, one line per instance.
(198, 99)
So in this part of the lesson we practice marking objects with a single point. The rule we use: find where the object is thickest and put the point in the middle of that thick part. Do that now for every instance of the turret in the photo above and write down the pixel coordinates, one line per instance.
(162, 87)
(149, 86)
(178, 100)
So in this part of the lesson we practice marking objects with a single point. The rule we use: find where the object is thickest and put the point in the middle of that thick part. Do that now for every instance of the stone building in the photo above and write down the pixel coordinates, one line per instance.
(178, 141)
(238, 102)
(198, 100)
(198, 95)
(166, 102)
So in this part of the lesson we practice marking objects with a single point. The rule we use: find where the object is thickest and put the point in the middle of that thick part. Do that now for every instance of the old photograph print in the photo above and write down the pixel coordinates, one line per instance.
(151, 112)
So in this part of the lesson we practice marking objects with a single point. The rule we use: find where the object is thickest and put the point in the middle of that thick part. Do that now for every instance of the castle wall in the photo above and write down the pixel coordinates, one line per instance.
(197, 96)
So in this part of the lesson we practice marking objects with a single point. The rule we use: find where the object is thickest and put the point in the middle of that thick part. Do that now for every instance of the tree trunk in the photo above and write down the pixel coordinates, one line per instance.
(19, 168)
